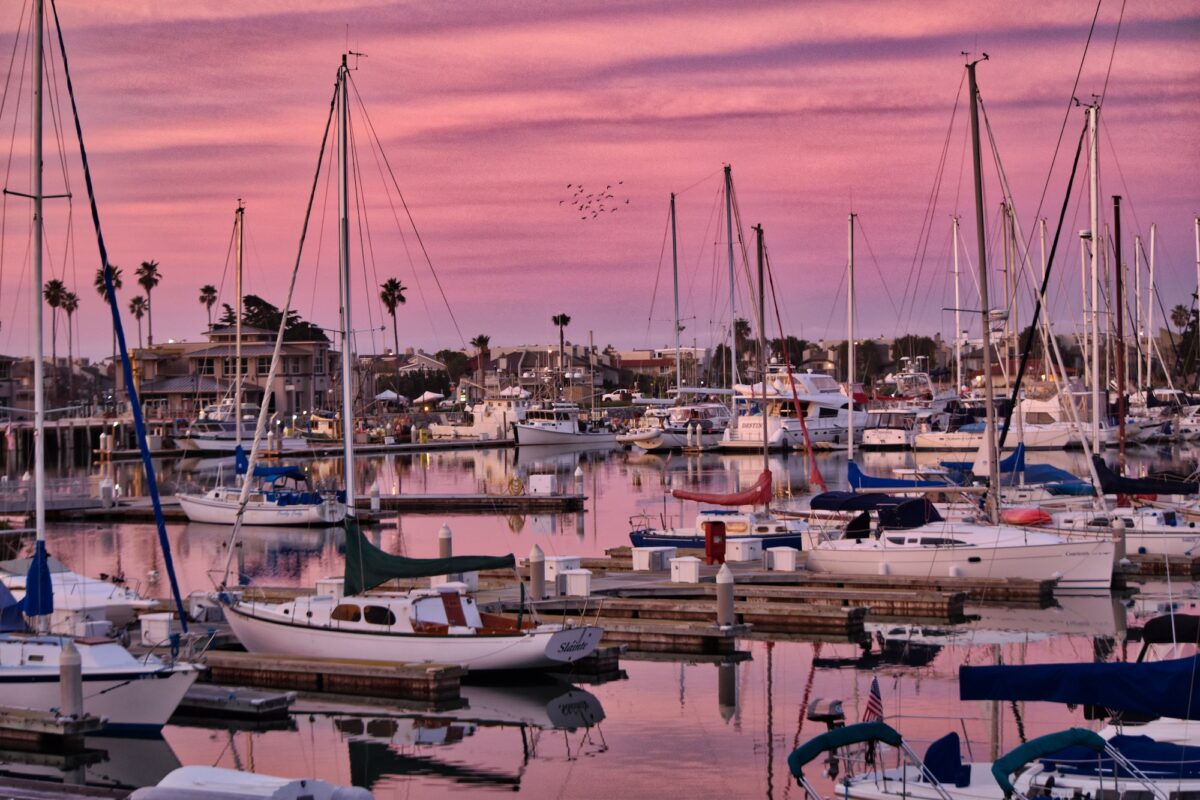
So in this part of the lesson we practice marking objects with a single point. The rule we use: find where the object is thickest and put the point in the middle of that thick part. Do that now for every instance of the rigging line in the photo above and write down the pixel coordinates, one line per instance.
(691, 186)
(361, 222)
(878, 271)
(56, 117)
(1071, 104)
(1112, 54)
(662, 254)
(376, 148)
(321, 227)
(12, 59)
(700, 253)
(922, 247)
(413, 222)
(1026, 346)
(131, 388)
(262, 412)
(13, 136)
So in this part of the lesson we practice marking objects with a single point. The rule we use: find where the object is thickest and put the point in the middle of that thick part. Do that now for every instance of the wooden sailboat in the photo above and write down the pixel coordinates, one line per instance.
(441, 624)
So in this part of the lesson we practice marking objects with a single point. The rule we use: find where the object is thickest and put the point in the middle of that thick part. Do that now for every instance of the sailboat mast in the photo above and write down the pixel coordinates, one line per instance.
(344, 264)
(675, 276)
(989, 403)
(39, 382)
(958, 328)
(1150, 307)
(1137, 308)
(239, 220)
(1119, 362)
(850, 372)
(1198, 272)
(732, 284)
(762, 338)
(1094, 209)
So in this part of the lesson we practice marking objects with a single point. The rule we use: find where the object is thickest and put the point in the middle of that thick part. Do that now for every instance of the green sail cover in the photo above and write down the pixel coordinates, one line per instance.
(840, 737)
(367, 566)
(1036, 748)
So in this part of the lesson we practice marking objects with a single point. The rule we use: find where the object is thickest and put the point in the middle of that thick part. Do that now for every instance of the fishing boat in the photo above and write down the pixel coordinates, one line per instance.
(283, 495)
(491, 419)
(560, 423)
(442, 624)
(911, 538)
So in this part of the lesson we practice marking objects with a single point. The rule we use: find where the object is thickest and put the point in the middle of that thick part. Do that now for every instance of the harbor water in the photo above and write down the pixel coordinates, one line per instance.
(704, 727)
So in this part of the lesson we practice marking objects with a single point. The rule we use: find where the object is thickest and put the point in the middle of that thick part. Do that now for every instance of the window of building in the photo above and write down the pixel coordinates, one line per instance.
(206, 366)
(264, 366)
(346, 612)
(319, 362)
(227, 367)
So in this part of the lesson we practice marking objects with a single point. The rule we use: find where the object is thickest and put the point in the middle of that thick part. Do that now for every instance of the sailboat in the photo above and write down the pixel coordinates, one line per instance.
(911, 538)
(442, 624)
(132, 693)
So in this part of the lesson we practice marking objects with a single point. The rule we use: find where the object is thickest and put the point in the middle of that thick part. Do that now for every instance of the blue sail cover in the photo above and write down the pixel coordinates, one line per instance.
(1160, 761)
(1158, 688)
(861, 480)
(11, 618)
(241, 463)
(39, 593)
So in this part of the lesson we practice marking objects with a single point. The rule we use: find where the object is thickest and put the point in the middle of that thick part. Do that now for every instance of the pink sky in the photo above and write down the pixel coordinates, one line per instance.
(487, 111)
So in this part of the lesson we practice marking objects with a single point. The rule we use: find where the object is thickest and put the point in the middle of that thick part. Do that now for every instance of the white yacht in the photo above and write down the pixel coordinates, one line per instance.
(560, 423)
(78, 598)
(825, 409)
(697, 426)
(491, 419)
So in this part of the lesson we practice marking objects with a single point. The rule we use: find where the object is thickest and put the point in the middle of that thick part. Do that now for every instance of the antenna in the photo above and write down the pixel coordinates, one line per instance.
(356, 55)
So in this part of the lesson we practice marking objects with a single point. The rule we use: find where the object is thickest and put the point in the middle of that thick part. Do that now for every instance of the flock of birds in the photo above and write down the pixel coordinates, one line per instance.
(591, 205)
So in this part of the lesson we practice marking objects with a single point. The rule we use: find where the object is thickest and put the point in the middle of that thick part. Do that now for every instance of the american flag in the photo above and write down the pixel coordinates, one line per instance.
(874, 709)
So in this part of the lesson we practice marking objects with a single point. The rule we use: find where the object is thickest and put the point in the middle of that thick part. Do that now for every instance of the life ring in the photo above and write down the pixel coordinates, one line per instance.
(516, 486)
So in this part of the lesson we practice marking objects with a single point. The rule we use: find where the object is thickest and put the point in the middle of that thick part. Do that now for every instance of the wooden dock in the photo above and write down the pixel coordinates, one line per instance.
(479, 503)
(45, 731)
(1158, 566)
(431, 686)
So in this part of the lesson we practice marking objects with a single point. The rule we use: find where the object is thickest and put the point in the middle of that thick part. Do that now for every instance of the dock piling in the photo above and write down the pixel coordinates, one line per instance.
(445, 542)
(70, 681)
(725, 613)
(537, 573)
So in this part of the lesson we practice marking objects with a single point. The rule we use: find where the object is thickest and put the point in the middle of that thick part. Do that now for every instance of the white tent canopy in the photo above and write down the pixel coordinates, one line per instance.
(389, 396)
(429, 397)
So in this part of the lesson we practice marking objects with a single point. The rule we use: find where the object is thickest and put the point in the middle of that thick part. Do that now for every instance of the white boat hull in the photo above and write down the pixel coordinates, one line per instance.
(538, 648)
(202, 444)
(532, 435)
(677, 440)
(1075, 564)
(134, 695)
(201, 508)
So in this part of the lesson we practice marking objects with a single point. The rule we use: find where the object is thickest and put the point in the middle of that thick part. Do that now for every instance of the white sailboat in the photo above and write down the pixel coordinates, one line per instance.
(132, 693)
(442, 625)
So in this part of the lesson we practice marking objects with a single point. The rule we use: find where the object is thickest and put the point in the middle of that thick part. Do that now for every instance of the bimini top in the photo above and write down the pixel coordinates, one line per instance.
(894, 512)
(840, 737)
(1112, 483)
(1043, 745)
(1156, 688)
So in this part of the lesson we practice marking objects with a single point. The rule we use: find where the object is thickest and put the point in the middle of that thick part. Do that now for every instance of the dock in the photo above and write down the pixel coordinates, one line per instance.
(429, 686)
(45, 731)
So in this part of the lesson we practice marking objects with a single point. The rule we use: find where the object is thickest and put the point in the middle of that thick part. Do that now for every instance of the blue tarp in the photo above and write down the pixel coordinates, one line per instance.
(242, 463)
(1158, 688)
(39, 593)
(861, 480)
(1012, 463)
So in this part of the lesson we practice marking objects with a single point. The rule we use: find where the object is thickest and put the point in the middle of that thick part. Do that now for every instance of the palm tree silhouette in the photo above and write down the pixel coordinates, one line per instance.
(562, 321)
(481, 343)
(208, 299)
(392, 294)
(1181, 315)
(53, 292)
(148, 277)
(138, 306)
(70, 303)
(102, 290)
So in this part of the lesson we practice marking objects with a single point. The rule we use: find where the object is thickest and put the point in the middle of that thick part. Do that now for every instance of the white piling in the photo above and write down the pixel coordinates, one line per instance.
(70, 681)
(725, 616)
(374, 493)
(1118, 537)
(445, 542)
(537, 573)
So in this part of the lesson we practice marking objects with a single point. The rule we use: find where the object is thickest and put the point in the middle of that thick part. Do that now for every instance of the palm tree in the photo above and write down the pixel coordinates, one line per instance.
(392, 295)
(1180, 316)
(53, 292)
(138, 306)
(70, 303)
(481, 343)
(101, 289)
(148, 277)
(562, 321)
(208, 299)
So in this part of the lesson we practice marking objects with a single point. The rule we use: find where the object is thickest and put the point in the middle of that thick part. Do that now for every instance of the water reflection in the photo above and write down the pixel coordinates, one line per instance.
(105, 762)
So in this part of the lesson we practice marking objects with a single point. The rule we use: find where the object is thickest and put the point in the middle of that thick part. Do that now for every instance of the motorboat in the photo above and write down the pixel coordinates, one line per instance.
(491, 419)
(818, 398)
(78, 598)
(200, 782)
(697, 426)
(736, 524)
(560, 423)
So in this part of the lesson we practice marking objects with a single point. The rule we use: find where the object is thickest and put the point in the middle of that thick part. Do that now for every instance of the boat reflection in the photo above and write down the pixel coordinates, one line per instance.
(117, 763)
(390, 746)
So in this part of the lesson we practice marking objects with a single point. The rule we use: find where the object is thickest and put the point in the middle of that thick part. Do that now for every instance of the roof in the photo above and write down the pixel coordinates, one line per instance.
(224, 349)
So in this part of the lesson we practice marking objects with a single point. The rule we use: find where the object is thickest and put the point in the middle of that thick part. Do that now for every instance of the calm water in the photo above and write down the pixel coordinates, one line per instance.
(708, 729)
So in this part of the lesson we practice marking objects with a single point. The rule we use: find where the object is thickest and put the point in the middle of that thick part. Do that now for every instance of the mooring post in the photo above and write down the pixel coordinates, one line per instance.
(445, 542)
(537, 573)
(70, 681)
(1118, 537)
(579, 480)
(725, 616)
(375, 502)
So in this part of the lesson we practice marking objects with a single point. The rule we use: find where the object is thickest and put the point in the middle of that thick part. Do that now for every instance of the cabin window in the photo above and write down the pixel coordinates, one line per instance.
(379, 615)
(827, 413)
(896, 539)
(346, 612)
